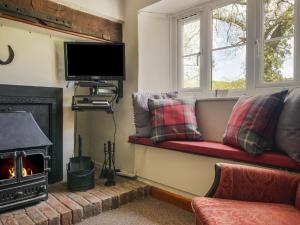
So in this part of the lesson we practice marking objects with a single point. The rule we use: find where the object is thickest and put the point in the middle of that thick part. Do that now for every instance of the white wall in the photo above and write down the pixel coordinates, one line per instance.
(154, 52)
(101, 125)
(110, 9)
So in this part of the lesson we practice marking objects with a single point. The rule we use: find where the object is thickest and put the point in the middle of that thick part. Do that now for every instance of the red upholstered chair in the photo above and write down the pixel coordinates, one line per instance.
(245, 195)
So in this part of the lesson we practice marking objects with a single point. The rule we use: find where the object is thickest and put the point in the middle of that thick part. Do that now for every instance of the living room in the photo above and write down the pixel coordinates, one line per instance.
(225, 75)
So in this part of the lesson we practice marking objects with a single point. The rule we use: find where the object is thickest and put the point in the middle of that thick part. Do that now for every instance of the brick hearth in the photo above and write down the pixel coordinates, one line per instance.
(65, 208)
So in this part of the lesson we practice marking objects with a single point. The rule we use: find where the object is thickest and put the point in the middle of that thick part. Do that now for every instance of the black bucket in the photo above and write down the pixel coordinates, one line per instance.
(81, 172)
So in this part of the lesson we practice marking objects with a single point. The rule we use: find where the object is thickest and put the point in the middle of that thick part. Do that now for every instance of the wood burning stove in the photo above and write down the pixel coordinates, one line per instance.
(23, 161)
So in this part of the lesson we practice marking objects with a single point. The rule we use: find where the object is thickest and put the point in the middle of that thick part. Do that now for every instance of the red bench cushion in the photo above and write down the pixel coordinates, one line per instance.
(219, 150)
(212, 211)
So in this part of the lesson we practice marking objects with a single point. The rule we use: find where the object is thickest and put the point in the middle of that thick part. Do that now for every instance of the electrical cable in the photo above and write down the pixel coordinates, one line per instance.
(114, 138)
(115, 126)
(75, 124)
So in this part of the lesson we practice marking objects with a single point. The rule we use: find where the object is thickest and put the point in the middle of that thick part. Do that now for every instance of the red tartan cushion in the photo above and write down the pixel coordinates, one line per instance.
(173, 119)
(252, 123)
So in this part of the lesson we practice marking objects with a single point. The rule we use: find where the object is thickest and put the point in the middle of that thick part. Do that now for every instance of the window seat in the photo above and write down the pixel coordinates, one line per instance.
(219, 150)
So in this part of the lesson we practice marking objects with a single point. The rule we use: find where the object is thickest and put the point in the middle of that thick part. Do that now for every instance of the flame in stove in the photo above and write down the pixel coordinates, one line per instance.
(25, 172)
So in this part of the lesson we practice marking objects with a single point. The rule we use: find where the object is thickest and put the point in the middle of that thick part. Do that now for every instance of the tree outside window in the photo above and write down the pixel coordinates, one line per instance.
(229, 41)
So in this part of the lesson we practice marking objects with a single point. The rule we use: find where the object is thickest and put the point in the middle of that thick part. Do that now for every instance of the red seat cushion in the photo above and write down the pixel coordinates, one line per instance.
(214, 211)
(219, 150)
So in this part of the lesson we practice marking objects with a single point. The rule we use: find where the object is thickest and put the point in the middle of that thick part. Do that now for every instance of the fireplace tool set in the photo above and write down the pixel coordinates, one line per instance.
(108, 168)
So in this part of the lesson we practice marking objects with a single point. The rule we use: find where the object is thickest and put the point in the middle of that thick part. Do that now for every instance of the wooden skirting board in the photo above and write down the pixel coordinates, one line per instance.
(174, 199)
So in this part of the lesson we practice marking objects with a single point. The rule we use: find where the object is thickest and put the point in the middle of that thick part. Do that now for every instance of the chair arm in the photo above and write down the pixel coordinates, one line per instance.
(247, 183)
(298, 197)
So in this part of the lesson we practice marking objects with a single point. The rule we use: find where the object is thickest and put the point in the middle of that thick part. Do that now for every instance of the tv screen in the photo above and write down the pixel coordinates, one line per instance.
(88, 61)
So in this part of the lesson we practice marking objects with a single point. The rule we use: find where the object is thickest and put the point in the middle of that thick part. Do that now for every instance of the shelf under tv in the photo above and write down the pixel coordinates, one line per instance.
(102, 97)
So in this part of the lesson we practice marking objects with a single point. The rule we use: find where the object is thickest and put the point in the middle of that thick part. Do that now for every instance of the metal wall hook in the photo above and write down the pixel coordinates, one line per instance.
(10, 57)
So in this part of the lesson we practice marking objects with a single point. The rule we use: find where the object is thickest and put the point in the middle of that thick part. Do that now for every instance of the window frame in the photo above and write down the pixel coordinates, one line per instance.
(259, 53)
(180, 55)
(254, 59)
(211, 49)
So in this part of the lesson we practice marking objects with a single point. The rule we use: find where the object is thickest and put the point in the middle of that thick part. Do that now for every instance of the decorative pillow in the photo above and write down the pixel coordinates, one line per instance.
(288, 129)
(141, 111)
(173, 120)
(253, 122)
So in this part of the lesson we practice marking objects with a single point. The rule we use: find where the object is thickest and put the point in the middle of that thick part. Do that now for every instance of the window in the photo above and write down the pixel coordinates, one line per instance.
(190, 53)
(278, 40)
(228, 64)
(241, 45)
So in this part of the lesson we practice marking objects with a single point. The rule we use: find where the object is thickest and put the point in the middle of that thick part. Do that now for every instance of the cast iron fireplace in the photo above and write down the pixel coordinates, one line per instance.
(23, 160)
(30, 148)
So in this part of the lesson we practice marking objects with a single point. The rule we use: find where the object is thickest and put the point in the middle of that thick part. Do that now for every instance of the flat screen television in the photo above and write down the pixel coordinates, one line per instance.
(90, 61)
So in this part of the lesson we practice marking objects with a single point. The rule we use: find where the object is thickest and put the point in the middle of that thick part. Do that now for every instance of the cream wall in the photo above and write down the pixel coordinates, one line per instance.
(154, 52)
(212, 117)
(110, 9)
(185, 174)
(101, 123)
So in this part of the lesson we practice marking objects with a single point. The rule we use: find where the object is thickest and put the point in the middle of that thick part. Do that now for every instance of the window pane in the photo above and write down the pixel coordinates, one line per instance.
(191, 37)
(229, 25)
(279, 60)
(279, 18)
(228, 68)
(191, 72)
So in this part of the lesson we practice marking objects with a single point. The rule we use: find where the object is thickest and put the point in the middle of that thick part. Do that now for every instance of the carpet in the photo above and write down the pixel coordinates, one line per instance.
(148, 211)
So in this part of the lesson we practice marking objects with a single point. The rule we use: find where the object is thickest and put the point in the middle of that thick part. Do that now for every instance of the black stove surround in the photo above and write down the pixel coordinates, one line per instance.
(30, 119)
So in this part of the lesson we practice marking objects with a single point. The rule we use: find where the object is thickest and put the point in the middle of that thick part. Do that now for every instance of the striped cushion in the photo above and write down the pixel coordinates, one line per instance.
(173, 120)
(252, 123)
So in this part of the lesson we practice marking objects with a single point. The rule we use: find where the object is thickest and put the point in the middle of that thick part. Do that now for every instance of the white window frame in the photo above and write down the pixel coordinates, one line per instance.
(259, 46)
(254, 65)
(181, 23)
(210, 31)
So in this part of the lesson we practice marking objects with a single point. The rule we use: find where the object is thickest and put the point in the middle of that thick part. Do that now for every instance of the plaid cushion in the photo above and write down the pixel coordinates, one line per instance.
(253, 122)
(173, 119)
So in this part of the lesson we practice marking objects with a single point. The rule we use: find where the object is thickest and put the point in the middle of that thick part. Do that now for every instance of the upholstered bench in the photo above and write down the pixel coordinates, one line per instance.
(248, 195)
(219, 150)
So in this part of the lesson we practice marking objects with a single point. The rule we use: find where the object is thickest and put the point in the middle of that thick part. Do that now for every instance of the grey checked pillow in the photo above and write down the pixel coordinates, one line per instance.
(141, 110)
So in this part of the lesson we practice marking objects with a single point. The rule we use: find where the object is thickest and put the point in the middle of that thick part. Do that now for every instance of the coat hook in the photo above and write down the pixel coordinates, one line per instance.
(10, 57)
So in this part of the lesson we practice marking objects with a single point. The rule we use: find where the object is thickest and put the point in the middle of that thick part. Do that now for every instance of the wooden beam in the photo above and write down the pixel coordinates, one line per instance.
(174, 199)
(53, 16)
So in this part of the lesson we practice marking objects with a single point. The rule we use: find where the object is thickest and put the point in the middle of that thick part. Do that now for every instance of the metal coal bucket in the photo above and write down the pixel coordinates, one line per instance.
(81, 172)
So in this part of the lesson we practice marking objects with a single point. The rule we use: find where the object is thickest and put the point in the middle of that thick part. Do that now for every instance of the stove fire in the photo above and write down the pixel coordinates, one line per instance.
(25, 172)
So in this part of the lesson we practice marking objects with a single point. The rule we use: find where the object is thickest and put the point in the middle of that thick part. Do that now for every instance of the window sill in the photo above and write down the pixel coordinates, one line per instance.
(232, 94)
(218, 99)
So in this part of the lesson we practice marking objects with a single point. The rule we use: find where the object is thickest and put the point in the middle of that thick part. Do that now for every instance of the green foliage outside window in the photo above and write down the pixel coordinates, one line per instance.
(278, 38)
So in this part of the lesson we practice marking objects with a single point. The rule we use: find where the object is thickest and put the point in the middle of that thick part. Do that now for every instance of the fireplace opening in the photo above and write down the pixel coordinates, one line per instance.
(32, 164)
(7, 166)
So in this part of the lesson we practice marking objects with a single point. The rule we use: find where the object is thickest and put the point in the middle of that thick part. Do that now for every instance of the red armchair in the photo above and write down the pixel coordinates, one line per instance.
(244, 195)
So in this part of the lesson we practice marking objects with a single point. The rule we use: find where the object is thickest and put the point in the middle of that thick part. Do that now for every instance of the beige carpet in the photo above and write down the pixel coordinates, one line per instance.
(143, 212)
